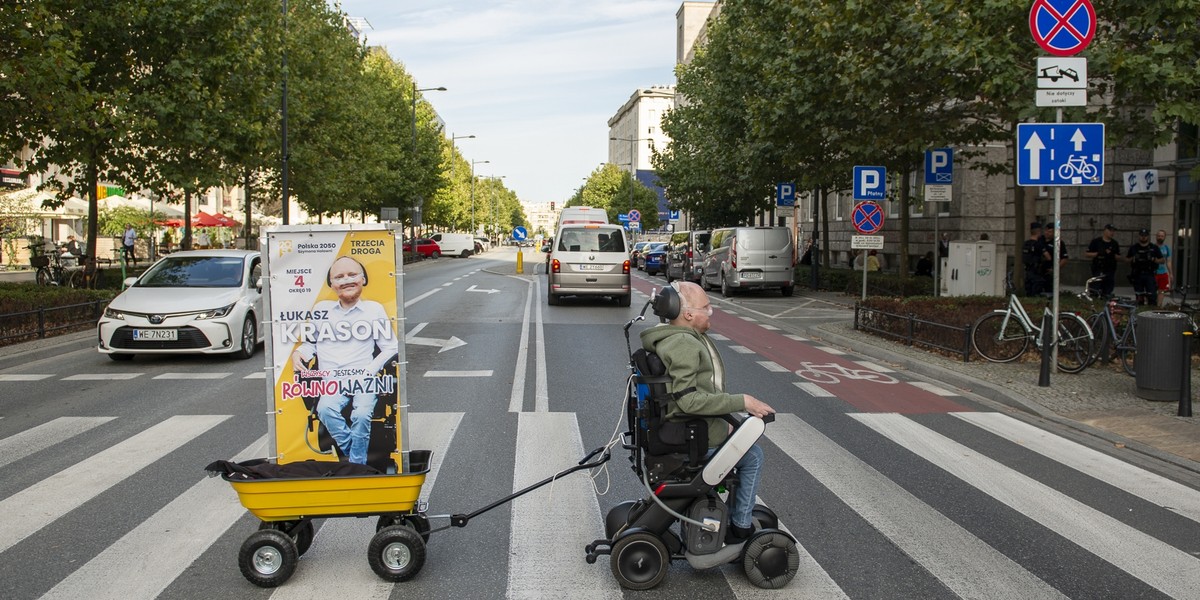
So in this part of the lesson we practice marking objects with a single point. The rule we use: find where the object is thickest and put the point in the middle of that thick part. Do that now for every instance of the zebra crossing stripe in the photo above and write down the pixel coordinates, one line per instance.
(16, 447)
(1117, 473)
(24, 377)
(102, 376)
(933, 389)
(546, 444)
(35, 507)
(1160, 565)
(147, 559)
(340, 544)
(813, 389)
(963, 563)
(817, 584)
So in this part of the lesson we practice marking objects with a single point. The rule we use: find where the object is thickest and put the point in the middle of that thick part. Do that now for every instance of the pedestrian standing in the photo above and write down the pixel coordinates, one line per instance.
(128, 242)
(1144, 259)
(1104, 252)
(1163, 275)
(944, 246)
(1032, 252)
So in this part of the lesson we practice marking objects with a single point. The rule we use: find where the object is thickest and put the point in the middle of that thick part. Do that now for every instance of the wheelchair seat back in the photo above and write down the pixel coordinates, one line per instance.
(684, 439)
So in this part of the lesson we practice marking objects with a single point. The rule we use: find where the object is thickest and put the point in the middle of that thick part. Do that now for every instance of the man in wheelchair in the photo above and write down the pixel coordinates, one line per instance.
(695, 368)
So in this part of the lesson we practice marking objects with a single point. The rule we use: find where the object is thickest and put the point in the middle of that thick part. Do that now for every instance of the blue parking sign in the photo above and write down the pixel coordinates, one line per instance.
(785, 194)
(939, 166)
(870, 183)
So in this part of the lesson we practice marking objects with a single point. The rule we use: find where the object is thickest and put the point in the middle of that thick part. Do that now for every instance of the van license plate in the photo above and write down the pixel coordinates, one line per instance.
(169, 335)
(592, 267)
(751, 275)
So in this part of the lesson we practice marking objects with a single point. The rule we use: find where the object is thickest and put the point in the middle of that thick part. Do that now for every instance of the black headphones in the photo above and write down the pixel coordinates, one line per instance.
(329, 280)
(667, 303)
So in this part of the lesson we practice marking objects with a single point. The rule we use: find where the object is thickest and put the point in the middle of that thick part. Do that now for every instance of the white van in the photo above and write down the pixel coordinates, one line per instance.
(582, 215)
(455, 244)
(749, 258)
(589, 260)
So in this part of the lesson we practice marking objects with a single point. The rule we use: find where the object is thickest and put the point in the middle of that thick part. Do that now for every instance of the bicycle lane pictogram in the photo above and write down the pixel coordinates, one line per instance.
(867, 393)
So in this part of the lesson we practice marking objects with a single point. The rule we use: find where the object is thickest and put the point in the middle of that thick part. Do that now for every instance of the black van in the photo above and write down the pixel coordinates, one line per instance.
(685, 255)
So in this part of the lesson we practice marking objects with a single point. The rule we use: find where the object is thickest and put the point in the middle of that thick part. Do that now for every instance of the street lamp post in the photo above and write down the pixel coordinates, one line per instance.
(454, 163)
(416, 200)
(473, 163)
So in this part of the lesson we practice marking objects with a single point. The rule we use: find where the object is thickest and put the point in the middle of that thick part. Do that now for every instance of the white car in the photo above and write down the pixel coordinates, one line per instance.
(201, 301)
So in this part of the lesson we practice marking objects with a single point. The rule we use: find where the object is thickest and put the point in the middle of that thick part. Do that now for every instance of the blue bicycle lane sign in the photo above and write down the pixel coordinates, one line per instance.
(1060, 154)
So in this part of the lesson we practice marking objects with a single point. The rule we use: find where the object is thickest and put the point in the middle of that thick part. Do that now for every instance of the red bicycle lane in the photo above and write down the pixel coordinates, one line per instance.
(855, 384)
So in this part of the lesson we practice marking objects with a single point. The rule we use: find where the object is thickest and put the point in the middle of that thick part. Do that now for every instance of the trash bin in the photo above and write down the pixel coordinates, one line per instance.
(1159, 360)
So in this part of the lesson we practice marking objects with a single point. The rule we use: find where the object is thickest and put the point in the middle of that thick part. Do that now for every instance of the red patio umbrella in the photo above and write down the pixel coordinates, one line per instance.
(225, 221)
(203, 219)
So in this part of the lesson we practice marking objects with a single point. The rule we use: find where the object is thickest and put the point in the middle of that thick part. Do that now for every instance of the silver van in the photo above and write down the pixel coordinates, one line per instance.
(589, 260)
(685, 255)
(749, 258)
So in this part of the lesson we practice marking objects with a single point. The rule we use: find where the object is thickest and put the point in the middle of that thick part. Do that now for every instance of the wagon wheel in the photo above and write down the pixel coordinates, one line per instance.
(268, 558)
(417, 522)
(300, 531)
(396, 553)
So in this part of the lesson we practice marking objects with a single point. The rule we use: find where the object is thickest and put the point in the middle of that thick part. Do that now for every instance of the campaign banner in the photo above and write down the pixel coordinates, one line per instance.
(336, 351)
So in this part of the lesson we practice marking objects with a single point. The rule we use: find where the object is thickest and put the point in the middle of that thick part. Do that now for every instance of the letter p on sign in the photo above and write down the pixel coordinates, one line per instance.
(869, 183)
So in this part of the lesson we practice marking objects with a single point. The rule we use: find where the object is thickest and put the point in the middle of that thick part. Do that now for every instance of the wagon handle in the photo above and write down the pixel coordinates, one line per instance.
(461, 520)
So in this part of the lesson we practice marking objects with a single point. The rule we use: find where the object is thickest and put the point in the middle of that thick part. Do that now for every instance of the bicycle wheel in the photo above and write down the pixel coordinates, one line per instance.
(999, 337)
(1128, 356)
(42, 276)
(1100, 336)
(1075, 345)
(74, 279)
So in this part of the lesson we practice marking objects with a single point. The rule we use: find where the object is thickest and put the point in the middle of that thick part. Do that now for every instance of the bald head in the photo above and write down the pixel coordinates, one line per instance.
(696, 308)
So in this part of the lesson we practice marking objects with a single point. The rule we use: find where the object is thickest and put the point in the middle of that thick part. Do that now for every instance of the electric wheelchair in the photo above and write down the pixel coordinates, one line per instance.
(684, 486)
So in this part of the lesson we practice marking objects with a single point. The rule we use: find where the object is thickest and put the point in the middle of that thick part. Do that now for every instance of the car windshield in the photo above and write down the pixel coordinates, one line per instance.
(591, 240)
(194, 271)
(656, 247)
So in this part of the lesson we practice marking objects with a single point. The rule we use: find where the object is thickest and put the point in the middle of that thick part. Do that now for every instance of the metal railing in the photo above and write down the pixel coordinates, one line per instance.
(45, 322)
(911, 330)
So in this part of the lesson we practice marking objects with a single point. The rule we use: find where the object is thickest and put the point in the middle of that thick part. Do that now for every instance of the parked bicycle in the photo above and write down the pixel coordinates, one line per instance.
(1113, 327)
(1004, 335)
(52, 270)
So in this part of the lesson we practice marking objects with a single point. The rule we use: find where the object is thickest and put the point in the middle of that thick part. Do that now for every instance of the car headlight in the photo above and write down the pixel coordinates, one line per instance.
(112, 313)
(216, 313)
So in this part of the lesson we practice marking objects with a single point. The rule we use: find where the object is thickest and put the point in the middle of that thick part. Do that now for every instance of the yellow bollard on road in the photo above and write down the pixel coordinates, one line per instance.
(520, 261)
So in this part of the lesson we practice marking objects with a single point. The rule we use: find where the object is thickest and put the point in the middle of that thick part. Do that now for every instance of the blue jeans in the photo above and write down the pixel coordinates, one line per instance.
(353, 440)
(741, 505)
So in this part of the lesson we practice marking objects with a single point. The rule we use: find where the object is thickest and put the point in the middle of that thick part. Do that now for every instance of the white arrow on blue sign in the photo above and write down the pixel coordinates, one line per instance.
(520, 233)
(939, 166)
(870, 183)
(1060, 154)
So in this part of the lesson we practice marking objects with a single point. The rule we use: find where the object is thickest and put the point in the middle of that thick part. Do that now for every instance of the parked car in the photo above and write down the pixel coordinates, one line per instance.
(685, 255)
(636, 253)
(483, 243)
(199, 301)
(641, 259)
(589, 260)
(425, 247)
(654, 259)
(750, 258)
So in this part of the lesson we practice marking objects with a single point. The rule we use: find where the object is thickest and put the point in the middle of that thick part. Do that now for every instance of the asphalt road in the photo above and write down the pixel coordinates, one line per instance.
(894, 488)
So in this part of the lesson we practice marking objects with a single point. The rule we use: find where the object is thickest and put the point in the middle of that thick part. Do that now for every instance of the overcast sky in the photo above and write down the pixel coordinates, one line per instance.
(534, 80)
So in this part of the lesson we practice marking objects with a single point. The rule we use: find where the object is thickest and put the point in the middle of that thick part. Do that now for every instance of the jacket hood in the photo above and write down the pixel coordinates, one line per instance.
(652, 336)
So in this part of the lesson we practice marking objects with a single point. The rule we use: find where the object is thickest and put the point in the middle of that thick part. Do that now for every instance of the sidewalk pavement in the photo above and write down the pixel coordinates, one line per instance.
(1099, 402)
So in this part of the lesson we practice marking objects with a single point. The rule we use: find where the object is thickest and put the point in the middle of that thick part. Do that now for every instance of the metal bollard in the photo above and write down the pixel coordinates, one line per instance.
(1185, 387)
(1044, 373)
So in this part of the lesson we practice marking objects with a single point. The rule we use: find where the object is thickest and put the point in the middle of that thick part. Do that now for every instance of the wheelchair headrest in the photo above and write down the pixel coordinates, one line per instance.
(667, 303)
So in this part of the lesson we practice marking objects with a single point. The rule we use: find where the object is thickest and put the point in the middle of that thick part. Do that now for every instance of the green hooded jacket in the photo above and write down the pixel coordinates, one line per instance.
(692, 361)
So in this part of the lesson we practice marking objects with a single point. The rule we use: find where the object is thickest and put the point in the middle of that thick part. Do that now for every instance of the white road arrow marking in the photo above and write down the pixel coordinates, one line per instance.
(1078, 139)
(450, 344)
(472, 289)
(1035, 147)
